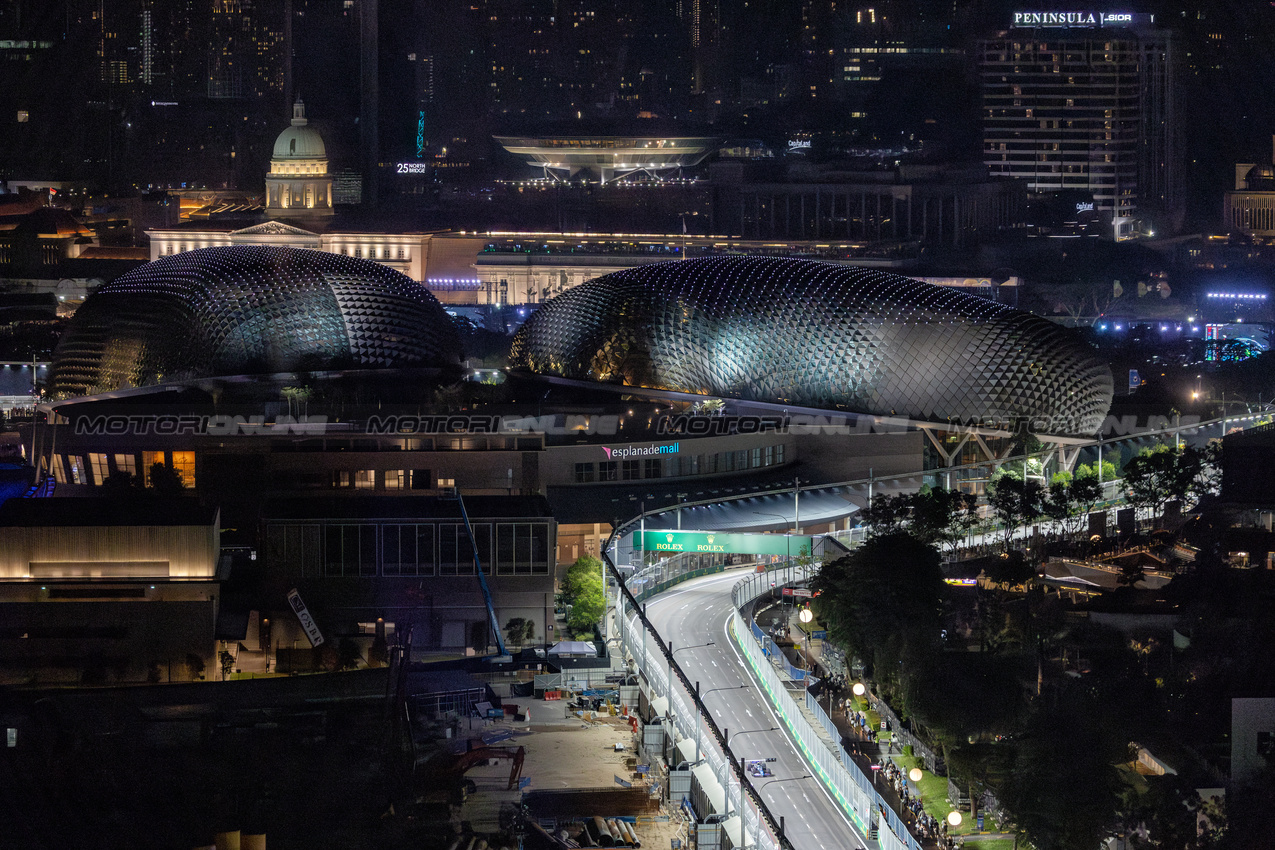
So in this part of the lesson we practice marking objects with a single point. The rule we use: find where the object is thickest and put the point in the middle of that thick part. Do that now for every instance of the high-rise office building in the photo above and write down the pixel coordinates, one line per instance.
(1082, 105)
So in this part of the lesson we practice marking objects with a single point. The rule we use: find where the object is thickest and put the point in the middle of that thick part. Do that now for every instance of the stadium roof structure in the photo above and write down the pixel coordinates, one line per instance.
(607, 158)
(249, 309)
(821, 335)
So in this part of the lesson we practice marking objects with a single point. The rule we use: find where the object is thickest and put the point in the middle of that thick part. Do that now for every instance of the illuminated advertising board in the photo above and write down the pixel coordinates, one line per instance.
(720, 542)
(1074, 19)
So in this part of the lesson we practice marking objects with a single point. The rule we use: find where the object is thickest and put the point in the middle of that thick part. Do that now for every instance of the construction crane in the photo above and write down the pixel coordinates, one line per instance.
(482, 582)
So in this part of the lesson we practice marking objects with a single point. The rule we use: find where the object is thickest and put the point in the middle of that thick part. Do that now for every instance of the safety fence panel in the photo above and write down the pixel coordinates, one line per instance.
(852, 789)
(654, 668)
(826, 764)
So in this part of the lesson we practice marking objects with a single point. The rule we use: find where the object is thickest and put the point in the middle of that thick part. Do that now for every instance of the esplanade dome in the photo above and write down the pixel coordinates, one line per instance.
(300, 140)
(823, 335)
(249, 309)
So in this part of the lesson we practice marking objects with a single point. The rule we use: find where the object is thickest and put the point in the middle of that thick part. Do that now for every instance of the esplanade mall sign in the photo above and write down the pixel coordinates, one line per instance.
(1073, 19)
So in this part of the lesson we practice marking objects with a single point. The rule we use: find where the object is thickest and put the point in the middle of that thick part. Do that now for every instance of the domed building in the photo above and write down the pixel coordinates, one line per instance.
(298, 184)
(822, 335)
(1249, 208)
(249, 309)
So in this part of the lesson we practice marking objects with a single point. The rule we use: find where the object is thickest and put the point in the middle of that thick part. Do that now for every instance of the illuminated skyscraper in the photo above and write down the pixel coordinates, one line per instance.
(1084, 104)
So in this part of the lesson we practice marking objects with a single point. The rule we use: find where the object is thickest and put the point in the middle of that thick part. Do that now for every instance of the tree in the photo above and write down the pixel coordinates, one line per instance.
(1107, 472)
(227, 663)
(348, 655)
(882, 602)
(120, 482)
(519, 630)
(1063, 789)
(1070, 499)
(582, 590)
(165, 480)
(1155, 477)
(935, 516)
(195, 664)
(1015, 501)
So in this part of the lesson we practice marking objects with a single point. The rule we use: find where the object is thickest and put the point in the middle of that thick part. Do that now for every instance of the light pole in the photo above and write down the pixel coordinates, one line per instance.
(671, 650)
(760, 789)
(680, 497)
(787, 538)
(700, 709)
(796, 505)
(731, 759)
(805, 615)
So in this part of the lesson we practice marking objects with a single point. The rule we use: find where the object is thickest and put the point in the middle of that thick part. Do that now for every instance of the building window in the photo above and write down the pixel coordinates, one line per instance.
(149, 459)
(755, 461)
(632, 469)
(394, 478)
(584, 473)
(126, 463)
(522, 549)
(608, 470)
(779, 453)
(446, 482)
(184, 465)
(769, 456)
(364, 479)
(653, 468)
(422, 479)
(349, 550)
(407, 550)
(456, 552)
(97, 464)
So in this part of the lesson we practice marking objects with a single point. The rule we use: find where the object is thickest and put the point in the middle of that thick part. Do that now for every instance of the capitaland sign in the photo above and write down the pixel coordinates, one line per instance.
(721, 542)
(1071, 19)
(622, 452)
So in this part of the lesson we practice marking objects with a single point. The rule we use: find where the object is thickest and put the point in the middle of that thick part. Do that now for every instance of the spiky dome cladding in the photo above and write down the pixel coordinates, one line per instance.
(246, 309)
(823, 335)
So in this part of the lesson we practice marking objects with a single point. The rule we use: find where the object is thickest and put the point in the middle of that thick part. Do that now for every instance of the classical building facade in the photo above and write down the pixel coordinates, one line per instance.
(298, 185)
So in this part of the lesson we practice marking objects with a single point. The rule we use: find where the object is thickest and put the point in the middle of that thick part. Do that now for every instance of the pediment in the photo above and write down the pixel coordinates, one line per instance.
(274, 228)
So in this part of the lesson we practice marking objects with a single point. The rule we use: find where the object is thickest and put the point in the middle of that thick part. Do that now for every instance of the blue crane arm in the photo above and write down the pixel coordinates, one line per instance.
(482, 579)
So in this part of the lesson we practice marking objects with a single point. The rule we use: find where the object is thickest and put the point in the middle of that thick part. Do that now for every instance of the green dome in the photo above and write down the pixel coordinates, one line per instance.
(300, 141)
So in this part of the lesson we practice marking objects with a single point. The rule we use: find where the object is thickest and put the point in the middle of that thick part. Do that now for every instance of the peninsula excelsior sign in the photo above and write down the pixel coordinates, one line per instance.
(1072, 19)
(721, 542)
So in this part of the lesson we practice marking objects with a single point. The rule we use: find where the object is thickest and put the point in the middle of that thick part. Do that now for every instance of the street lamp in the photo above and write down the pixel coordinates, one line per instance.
(729, 756)
(680, 497)
(671, 650)
(785, 779)
(760, 789)
(700, 709)
(805, 615)
(954, 818)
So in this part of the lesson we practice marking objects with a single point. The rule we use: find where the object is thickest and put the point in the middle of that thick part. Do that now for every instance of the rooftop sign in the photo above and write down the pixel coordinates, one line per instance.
(1072, 19)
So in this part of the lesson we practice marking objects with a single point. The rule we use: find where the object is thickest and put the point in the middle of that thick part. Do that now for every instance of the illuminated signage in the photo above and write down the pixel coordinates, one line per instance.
(641, 451)
(1071, 19)
(412, 167)
(735, 544)
(1084, 206)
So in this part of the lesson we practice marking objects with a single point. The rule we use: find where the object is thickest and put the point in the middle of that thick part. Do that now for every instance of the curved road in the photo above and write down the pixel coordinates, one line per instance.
(696, 612)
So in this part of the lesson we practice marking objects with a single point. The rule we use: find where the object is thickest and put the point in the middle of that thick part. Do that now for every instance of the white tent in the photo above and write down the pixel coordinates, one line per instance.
(574, 649)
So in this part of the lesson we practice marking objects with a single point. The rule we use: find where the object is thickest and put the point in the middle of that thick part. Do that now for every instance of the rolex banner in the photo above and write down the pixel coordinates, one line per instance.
(734, 544)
